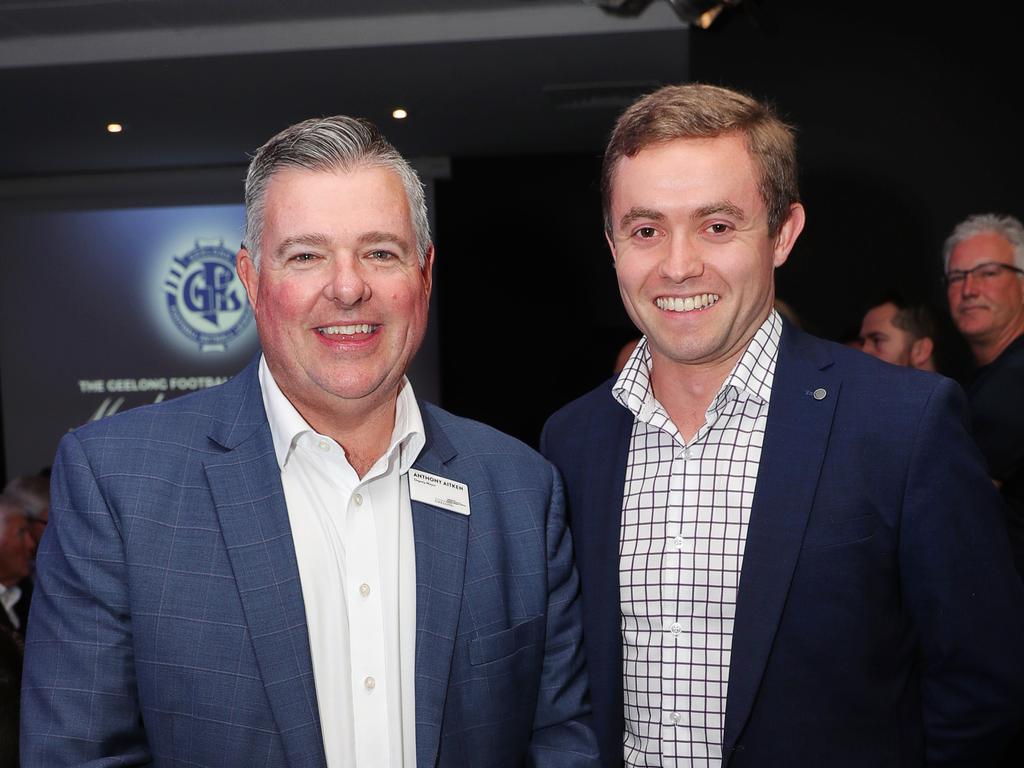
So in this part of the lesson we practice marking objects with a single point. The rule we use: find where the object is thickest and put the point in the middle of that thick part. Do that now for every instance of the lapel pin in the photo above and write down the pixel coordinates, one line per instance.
(819, 393)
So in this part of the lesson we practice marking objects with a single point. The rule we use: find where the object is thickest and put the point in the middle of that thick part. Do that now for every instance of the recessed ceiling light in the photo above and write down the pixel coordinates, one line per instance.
(114, 127)
(399, 113)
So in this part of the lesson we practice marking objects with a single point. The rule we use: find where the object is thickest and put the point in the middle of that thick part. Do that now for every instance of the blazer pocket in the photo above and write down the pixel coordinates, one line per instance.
(839, 532)
(500, 645)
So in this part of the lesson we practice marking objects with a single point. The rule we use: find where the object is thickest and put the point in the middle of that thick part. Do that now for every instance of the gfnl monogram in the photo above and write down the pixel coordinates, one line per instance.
(205, 298)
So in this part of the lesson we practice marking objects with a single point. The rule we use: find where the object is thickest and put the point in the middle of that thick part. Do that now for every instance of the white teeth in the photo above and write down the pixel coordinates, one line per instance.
(346, 330)
(690, 303)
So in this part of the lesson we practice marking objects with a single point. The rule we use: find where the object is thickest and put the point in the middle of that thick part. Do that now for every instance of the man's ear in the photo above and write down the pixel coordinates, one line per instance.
(428, 269)
(790, 231)
(921, 351)
(248, 274)
(611, 243)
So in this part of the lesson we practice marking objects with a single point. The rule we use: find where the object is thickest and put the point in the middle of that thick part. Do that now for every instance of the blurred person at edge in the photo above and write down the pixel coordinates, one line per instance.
(984, 275)
(33, 493)
(16, 549)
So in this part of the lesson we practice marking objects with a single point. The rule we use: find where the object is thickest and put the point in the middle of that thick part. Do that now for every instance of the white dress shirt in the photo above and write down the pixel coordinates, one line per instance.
(685, 511)
(354, 545)
(9, 597)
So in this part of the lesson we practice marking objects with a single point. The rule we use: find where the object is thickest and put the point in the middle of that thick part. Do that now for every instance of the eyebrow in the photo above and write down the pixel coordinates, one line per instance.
(635, 213)
(318, 240)
(713, 209)
(383, 237)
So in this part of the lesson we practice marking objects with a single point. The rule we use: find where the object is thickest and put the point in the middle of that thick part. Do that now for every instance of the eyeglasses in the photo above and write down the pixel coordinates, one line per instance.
(990, 270)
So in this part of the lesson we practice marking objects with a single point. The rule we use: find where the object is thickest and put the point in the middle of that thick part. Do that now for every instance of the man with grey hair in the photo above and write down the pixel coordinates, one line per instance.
(307, 566)
(984, 269)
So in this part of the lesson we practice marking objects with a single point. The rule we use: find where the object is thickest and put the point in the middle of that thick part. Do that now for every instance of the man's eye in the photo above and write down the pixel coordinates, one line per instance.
(381, 255)
(645, 233)
(990, 272)
(718, 228)
(303, 257)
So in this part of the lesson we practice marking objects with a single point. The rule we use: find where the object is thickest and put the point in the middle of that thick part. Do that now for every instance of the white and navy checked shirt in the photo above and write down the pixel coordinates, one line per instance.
(685, 511)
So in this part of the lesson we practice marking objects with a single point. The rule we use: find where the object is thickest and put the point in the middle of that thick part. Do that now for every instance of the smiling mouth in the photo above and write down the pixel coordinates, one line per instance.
(689, 304)
(347, 330)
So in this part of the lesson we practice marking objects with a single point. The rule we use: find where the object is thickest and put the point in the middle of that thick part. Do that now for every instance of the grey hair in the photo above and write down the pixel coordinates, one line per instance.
(31, 492)
(10, 506)
(1006, 226)
(336, 143)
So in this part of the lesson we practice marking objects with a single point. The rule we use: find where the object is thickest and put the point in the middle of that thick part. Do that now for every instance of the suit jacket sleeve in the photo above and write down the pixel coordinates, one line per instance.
(79, 698)
(562, 737)
(967, 602)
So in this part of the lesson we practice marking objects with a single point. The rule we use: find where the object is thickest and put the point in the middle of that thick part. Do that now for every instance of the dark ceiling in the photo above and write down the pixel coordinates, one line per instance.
(201, 83)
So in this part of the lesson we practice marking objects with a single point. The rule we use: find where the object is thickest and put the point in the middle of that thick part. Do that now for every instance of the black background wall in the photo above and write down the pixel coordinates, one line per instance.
(908, 121)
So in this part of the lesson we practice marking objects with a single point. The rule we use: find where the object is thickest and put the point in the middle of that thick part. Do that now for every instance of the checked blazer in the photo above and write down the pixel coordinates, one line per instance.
(168, 625)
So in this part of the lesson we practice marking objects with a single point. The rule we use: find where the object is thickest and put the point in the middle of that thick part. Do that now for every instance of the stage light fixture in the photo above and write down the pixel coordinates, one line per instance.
(701, 13)
(399, 114)
(114, 127)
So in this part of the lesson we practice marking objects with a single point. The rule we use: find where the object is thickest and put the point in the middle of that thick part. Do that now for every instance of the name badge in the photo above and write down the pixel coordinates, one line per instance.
(438, 491)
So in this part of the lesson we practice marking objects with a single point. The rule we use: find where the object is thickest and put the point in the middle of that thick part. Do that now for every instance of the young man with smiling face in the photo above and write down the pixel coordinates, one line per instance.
(984, 265)
(308, 567)
(789, 553)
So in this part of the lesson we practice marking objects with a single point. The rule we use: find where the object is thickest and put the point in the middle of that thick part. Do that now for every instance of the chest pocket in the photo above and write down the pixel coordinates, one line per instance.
(500, 645)
(837, 532)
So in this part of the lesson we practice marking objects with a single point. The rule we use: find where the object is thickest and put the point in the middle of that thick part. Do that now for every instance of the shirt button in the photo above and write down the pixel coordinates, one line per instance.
(364, 590)
(687, 454)
(675, 717)
(369, 683)
(676, 628)
(324, 445)
(358, 499)
(678, 542)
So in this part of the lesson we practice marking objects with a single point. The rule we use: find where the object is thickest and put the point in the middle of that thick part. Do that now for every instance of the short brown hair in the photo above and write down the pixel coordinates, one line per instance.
(698, 111)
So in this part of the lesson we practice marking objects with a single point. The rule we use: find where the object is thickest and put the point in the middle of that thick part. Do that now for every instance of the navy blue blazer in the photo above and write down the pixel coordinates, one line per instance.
(168, 625)
(879, 621)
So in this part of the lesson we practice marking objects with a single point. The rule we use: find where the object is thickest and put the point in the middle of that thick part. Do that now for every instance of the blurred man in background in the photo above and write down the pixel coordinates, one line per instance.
(984, 268)
(899, 333)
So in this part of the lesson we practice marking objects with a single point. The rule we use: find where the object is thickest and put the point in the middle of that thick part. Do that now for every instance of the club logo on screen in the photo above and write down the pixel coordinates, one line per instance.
(205, 298)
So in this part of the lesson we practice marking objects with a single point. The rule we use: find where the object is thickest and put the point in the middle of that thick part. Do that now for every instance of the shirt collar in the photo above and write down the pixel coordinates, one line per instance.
(9, 596)
(287, 424)
(752, 374)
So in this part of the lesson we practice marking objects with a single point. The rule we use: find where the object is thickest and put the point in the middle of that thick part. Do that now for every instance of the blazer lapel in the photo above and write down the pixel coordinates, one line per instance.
(246, 486)
(804, 395)
(440, 538)
(595, 520)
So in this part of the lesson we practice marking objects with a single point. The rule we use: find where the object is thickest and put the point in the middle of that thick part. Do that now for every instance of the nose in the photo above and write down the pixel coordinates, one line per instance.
(347, 284)
(682, 260)
(969, 285)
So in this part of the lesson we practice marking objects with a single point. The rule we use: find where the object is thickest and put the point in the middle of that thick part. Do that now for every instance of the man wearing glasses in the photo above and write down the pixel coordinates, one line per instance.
(984, 260)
